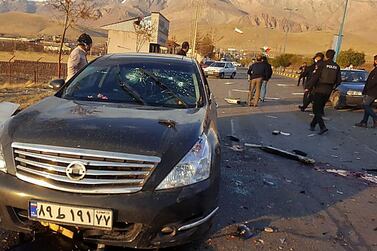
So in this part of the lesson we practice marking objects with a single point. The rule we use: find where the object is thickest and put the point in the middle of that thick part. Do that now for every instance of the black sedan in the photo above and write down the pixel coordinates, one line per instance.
(126, 153)
(349, 92)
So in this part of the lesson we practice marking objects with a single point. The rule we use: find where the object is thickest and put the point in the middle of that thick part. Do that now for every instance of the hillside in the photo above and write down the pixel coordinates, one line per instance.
(311, 26)
(31, 25)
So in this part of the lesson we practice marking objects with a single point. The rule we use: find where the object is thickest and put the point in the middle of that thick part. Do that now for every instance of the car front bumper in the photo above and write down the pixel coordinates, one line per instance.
(354, 100)
(213, 74)
(138, 218)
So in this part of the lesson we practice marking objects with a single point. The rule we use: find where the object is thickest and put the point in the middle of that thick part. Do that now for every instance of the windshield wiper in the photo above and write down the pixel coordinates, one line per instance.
(127, 88)
(163, 86)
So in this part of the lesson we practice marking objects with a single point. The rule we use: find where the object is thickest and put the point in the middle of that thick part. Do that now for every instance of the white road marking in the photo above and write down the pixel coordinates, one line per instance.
(232, 127)
(272, 117)
(285, 85)
(238, 90)
(297, 93)
(270, 98)
(229, 83)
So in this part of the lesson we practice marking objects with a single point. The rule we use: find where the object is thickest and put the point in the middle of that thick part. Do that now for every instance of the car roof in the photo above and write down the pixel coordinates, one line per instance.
(146, 56)
(354, 70)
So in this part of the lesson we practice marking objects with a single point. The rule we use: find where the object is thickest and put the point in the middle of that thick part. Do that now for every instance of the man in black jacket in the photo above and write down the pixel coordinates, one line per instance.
(184, 49)
(266, 78)
(370, 95)
(308, 74)
(325, 78)
(257, 72)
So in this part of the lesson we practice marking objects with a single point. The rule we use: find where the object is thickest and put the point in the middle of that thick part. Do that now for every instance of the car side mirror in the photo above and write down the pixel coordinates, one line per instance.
(56, 84)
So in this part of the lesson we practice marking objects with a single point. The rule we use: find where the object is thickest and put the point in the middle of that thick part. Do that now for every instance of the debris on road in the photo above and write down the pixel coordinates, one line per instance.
(283, 153)
(237, 148)
(233, 101)
(312, 135)
(276, 132)
(298, 152)
(232, 138)
(362, 175)
(244, 232)
(269, 230)
(268, 182)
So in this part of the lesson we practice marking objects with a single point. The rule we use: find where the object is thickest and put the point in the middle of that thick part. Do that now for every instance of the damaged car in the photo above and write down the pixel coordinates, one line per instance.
(126, 153)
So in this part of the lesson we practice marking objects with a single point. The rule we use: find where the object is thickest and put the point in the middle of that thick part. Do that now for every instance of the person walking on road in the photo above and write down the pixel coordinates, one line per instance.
(257, 72)
(370, 95)
(184, 49)
(77, 59)
(326, 77)
(266, 78)
(308, 74)
(302, 71)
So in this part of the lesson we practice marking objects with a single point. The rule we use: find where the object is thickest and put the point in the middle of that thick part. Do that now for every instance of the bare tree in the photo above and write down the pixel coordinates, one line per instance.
(144, 30)
(72, 10)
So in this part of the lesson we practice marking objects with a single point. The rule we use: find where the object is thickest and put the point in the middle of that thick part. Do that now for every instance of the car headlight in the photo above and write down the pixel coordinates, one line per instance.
(193, 168)
(354, 93)
(3, 166)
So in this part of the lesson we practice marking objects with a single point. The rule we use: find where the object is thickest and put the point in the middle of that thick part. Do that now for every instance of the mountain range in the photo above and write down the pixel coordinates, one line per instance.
(311, 23)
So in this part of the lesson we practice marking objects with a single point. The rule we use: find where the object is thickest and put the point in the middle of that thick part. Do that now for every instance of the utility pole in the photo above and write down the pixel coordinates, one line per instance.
(341, 31)
(287, 29)
(195, 28)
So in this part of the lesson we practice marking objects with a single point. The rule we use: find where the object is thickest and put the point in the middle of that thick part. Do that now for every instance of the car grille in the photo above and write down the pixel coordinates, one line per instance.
(106, 172)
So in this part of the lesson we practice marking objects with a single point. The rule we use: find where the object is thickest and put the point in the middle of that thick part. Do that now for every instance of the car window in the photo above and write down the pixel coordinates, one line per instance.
(222, 65)
(112, 82)
(354, 76)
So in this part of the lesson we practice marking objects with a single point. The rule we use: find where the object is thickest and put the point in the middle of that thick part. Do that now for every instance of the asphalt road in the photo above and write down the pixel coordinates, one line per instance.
(306, 207)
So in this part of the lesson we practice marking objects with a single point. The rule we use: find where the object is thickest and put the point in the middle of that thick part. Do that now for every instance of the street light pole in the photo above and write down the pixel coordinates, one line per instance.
(341, 30)
(195, 28)
(287, 30)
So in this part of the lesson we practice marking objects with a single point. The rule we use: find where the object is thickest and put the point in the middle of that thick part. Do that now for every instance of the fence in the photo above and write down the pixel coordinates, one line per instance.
(21, 71)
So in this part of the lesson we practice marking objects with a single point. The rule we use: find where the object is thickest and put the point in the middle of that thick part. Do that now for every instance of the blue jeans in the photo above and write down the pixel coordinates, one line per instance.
(368, 109)
(263, 91)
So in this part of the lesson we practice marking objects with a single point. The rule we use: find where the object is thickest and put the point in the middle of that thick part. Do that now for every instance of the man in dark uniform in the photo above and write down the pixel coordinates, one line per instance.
(184, 49)
(325, 78)
(370, 95)
(308, 74)
(302, 76)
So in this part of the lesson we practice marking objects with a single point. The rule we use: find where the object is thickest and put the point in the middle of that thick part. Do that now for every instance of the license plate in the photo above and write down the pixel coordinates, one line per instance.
(71, 215)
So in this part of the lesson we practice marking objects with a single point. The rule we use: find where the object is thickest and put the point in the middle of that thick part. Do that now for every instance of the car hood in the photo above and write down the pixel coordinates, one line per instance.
(357, 86)
(107, 127)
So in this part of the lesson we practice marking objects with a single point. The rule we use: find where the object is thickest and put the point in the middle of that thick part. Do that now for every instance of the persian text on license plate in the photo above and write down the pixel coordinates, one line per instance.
(72, 215)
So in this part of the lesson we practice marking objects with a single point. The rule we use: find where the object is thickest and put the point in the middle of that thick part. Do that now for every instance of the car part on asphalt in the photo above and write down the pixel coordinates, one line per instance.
(233, 101)
(276, 132)
(283, 153)
(244, 232)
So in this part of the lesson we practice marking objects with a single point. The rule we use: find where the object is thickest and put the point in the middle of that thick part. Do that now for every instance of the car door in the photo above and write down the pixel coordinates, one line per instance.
(228, 69)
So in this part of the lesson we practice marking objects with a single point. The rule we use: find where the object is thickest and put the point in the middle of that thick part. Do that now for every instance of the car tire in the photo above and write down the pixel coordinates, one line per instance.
(336, 101)
(233, 75)
(221, 75)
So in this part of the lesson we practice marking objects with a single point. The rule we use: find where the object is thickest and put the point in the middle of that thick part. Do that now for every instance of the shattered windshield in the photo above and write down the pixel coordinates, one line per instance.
(151, 83)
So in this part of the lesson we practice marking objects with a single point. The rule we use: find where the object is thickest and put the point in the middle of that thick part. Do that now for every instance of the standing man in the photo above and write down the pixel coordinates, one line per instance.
(257, 72)
(308, 74)
(266, 78)
(184, 49)
(302, 71)
(370, 95)
(325, 78)
(77, 59)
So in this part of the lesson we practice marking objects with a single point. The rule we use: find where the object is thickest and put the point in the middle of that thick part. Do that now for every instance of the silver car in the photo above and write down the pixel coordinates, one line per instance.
(221, 70)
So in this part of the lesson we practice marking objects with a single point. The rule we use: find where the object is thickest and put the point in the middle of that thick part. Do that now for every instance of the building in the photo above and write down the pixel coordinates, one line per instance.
(148, 34)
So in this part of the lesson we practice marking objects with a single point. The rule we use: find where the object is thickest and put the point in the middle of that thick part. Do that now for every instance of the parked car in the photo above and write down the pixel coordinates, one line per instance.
(349, 92)
(206, 63)
(126, 153)
(221, 70)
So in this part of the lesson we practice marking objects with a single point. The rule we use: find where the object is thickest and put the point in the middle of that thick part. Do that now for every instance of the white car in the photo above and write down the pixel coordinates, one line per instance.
(221, 70)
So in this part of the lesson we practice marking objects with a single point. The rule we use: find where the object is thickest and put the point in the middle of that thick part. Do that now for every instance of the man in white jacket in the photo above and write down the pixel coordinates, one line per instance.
(77, 59)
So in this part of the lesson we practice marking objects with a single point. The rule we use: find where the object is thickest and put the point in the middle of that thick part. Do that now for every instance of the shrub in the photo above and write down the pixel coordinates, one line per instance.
(351, 57)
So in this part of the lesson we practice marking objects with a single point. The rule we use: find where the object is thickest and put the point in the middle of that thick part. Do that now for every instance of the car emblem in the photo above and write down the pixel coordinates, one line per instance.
(76, 171)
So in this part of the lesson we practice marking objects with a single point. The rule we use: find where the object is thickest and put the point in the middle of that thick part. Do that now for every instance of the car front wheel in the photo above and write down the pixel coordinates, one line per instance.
(233, 75)
(222, 75)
